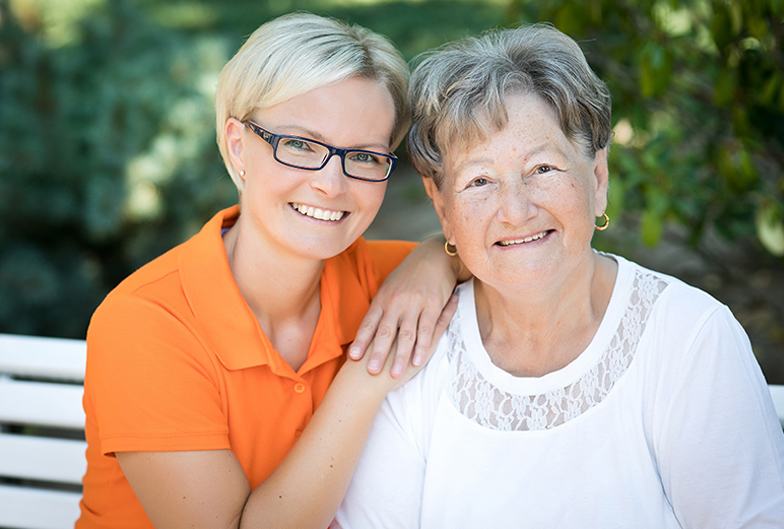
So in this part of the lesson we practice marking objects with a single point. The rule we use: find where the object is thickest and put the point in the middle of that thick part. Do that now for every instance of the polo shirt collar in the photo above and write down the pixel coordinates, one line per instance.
(229, 325)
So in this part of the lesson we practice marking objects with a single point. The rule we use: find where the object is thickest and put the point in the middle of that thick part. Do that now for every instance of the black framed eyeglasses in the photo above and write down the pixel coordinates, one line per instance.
(312, 155)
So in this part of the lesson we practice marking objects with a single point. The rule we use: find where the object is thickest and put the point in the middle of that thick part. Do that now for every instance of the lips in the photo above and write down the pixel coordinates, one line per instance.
(532, 238)
(318, 213)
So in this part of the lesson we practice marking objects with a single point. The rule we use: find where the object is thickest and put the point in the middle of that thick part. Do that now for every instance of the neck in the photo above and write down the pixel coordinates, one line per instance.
(535, 330)
(282, 290)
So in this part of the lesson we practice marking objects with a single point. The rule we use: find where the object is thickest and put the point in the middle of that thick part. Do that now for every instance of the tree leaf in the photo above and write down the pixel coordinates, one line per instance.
(725, 86)
(721, 26)
(651, 227)
(770, 228)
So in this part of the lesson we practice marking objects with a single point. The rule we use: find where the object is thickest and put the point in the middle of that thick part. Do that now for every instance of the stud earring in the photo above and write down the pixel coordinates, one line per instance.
(242, 174)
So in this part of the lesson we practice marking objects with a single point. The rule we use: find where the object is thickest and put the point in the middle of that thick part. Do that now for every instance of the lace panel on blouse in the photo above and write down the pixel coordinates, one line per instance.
(487, 405)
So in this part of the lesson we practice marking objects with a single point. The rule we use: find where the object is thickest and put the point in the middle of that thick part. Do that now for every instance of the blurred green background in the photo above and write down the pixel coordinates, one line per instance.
(108, 158)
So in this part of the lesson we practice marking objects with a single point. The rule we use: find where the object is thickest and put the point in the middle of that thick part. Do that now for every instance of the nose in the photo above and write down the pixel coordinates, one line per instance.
(330, 179)
(515, 206)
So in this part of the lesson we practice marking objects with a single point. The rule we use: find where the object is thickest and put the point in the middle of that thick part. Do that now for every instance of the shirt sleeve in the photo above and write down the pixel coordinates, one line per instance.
(719, 443)
(149, 383)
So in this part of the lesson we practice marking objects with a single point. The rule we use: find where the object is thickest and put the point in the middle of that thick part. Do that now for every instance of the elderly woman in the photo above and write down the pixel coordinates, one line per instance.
(217, 392)
(572, 388)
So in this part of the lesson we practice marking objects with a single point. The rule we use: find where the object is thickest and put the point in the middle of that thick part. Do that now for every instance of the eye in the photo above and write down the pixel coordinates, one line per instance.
(364, 158)
(542, 169)
(478, 182)
(297, 144)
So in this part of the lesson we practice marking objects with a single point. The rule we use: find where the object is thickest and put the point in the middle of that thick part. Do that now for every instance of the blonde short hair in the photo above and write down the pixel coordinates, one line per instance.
(457, 92)
(293, 54)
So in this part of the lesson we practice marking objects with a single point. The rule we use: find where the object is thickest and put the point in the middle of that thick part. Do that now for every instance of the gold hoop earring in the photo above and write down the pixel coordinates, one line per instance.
(450, 250)
(604, 226)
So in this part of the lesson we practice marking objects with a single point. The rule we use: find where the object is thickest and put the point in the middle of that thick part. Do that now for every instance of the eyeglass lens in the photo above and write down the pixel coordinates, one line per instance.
(300, 152)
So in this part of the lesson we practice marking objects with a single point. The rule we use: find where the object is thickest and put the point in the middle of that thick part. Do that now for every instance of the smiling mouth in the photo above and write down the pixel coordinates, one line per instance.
(532, 238)
(318, 213)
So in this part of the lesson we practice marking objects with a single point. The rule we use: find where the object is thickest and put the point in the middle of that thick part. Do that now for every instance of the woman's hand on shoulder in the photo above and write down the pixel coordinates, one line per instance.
(407, 308)
(380, 386)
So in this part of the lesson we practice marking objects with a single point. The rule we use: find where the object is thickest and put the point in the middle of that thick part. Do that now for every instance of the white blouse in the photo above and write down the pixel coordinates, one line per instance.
(665, 420)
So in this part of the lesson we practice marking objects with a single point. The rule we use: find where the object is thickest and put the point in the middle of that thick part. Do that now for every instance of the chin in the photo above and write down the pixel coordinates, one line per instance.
(519, 277)
(323, 250)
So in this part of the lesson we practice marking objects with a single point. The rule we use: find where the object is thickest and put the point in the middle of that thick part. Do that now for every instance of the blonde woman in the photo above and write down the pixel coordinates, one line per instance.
(217, 392)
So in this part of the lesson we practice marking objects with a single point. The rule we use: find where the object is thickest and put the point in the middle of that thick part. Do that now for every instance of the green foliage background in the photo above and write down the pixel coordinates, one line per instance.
(108, 158)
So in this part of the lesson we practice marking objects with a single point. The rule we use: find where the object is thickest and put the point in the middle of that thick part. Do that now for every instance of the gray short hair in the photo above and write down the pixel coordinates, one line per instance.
(456, 88)
(293, 54)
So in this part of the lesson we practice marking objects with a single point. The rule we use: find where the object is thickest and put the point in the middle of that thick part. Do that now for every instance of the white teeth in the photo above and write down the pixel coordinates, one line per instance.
(316, 213)
(522, 241)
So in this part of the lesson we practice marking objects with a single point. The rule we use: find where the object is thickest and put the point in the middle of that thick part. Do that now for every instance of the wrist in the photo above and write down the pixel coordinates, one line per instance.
(360, 386)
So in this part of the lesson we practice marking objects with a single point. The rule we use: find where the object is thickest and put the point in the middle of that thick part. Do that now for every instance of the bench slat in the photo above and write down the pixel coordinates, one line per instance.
(43, 459)
(60, 405)
(35, 356)
(41, 403)
(22, 508)
(777, 393)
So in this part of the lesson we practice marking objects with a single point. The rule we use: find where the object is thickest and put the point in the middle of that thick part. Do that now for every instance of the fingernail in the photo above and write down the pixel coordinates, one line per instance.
(374, 365)
(417, 359)
(397, 370)
(353, 352)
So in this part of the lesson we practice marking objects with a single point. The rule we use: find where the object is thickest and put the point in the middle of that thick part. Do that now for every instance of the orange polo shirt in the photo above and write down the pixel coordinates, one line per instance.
(176, 360)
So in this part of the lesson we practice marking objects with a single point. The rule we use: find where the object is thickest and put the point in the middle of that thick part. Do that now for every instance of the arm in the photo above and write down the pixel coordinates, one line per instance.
(407, 306)
(718, 441)
(209, 488)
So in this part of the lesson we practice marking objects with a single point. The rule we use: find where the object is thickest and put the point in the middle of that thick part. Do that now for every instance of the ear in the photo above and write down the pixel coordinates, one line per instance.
(233, 134)
(439, 203)
(602, 175)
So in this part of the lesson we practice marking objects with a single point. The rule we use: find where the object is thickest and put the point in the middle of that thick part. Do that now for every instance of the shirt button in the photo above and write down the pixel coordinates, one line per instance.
(299, 387)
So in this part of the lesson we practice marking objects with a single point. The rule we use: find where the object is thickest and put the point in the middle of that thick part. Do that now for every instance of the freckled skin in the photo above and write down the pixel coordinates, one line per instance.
(520, 207)
(524, 180)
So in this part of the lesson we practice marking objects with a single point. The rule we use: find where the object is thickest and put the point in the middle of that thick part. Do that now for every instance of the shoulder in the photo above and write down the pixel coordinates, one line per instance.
(161, 277)
(418, 399)
(160, 301)
(426, 387)
(414, 405)
(372, 261)
(671, 301)
(364, 253)
(682, 328)
(144, 316)
(156, 284)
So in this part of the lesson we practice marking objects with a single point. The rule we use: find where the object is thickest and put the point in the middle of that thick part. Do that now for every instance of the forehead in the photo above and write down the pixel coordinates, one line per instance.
(532, 126)
(355, 111)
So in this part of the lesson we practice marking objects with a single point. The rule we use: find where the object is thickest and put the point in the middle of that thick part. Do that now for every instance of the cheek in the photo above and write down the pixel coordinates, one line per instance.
(468, 218)
(369, 197)
(572, 198)
(269, 183)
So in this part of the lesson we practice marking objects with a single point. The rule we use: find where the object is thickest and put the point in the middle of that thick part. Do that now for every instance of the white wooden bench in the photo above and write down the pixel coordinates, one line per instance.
(42, 430)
